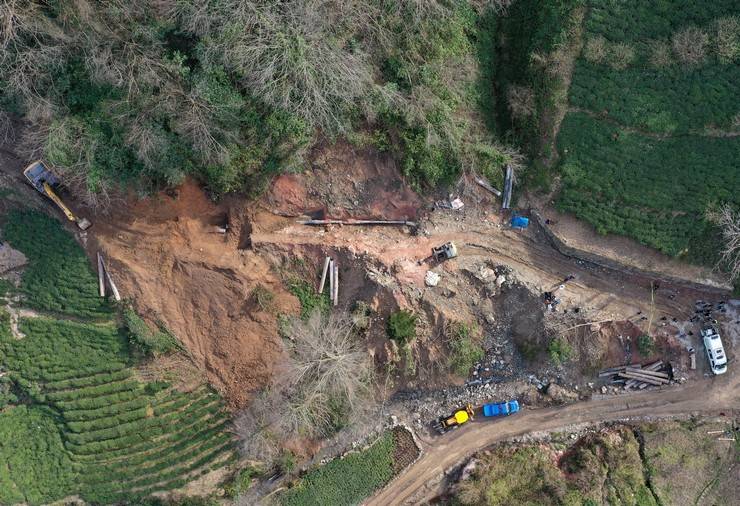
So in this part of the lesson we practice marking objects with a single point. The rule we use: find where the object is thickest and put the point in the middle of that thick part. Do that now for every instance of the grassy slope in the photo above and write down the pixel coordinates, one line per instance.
(684, 462)
(601, 468)
(89, 428)
(644, 166)
(680, 461)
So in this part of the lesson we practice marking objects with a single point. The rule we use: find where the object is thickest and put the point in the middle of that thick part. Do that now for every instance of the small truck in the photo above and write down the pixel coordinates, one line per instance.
(501, 408)
(459, 417)
(715, 350)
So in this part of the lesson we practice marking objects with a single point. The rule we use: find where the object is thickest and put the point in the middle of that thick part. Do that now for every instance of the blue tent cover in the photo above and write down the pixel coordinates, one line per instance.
(519, 222)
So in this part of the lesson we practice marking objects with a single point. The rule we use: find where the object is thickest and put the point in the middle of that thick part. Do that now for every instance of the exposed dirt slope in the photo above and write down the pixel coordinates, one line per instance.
(166, 255)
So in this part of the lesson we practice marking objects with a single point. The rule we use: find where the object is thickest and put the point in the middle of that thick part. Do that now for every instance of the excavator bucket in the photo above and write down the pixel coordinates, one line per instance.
(83, 223)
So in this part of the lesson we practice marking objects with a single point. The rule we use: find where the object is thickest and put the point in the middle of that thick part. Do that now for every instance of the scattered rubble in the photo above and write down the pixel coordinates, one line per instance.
(432, 278)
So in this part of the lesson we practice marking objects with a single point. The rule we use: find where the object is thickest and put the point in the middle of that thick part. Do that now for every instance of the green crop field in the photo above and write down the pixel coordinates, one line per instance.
(351, 479)
(347, 480)
(650, 140)
(86, 426)
(58, 278)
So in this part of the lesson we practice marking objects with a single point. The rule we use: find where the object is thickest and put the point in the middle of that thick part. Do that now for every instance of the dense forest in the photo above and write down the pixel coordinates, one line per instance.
(137, 94)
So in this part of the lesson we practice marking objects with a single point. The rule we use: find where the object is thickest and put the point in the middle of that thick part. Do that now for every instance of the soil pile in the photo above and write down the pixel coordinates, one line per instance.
(167, 255)
(346, 182)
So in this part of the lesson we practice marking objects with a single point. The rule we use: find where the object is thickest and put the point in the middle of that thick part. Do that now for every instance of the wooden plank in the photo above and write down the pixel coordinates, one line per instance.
(323, 275)
(642, 378)
(611, 372)
(101, 276)
(654, 366)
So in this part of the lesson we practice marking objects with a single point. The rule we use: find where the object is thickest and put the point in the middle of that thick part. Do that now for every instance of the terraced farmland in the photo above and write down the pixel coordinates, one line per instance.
(91, 428)
(651, 139)
(350, 479)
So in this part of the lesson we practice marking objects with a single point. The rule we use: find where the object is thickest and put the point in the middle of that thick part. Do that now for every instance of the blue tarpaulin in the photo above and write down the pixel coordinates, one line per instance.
(519, 222)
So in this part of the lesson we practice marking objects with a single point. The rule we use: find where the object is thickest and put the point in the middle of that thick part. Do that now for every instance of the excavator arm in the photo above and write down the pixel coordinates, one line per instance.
(49, 192)
(83, 223)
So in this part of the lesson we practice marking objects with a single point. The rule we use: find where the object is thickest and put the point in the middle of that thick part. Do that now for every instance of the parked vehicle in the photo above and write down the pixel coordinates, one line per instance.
(456, 419)
(715, 350)
(501, 408)
(44, 182)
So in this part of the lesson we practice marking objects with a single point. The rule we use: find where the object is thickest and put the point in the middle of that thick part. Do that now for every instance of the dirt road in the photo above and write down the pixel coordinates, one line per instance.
(611, 293)
(420, 482)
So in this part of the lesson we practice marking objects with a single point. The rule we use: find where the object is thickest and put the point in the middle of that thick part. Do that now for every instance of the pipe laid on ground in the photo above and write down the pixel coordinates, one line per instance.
(646, 372)
(487, 186)
(323, 275)
(101, 276)
(336, 284)
(331, 280)
(359, 222)
(113, 289)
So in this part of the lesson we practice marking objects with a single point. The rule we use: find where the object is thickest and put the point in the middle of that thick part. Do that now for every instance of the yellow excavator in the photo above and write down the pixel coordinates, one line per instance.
(456, 419)
(45, 182)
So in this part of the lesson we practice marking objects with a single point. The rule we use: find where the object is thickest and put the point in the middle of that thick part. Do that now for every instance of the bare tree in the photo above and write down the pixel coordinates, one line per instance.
(727, 39)
(690, 45)
(660, 54)
(728, 221)
(294, 54)
(327, 370)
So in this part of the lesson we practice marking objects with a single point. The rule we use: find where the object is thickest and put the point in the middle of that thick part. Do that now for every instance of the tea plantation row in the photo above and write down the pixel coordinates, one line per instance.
(639, 151)
(85, 425)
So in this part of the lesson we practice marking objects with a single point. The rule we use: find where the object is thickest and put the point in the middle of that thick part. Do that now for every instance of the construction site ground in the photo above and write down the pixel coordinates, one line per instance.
(171, 259)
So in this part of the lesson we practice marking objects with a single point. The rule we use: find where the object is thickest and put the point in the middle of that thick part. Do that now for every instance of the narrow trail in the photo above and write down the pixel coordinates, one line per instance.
(420, 482)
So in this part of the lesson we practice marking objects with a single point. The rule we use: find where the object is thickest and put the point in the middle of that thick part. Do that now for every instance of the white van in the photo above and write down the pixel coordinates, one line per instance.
(715, 351)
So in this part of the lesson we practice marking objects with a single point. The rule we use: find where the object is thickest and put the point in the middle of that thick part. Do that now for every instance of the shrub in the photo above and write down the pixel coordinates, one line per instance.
(621, 55)
(36, 468)
(151, 342)
(727, 39)
(465, 348)
(690, 45)
(361, 316)
(241, 482)
(4, 323)
(263, 297)
(346, 480)
(309, 299)
(645, 345)
(286, 462)
(521, 101)
(595, 49)
(660, 54)
(6, 287)
(560, 350)
(402, 326)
